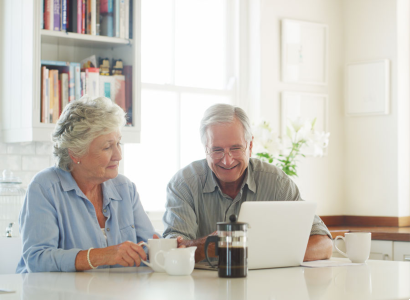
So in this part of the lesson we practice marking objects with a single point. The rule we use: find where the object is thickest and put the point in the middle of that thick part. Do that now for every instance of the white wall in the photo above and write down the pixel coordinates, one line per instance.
(377, 147)
(321, 180)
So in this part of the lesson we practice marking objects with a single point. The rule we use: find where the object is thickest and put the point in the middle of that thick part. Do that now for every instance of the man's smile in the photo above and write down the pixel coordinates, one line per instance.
(227, 168)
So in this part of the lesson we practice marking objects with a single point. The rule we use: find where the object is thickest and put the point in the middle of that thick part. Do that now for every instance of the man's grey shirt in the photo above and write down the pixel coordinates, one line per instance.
(195, 202)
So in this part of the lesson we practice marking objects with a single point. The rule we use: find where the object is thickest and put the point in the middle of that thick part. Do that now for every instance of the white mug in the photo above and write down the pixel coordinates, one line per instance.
(357, 246)
(156, 245)
(179, 261)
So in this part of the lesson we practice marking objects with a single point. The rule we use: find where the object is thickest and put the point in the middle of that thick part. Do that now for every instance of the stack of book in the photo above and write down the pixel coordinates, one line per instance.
(63, 82)
(96, 17)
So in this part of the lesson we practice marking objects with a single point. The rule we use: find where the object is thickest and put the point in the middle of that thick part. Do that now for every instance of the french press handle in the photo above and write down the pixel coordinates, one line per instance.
(211, 239)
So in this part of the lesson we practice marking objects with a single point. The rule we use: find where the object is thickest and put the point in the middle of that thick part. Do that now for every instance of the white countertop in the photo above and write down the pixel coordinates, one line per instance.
(375, 280)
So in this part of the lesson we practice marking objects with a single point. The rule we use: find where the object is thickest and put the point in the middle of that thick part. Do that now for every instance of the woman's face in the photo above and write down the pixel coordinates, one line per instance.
(101, 161)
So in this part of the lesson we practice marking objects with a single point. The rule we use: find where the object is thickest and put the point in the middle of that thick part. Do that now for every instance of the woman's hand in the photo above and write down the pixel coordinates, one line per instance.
(126, 254)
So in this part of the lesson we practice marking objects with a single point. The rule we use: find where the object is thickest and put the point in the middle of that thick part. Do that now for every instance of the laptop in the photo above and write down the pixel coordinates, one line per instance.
(278, 233)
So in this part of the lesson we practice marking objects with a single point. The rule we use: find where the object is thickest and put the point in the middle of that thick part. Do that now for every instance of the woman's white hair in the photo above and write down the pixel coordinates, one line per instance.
(222, 114)
(80, 123)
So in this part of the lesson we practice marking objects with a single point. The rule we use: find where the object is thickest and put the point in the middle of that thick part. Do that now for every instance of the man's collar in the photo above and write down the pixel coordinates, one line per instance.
(211, 182)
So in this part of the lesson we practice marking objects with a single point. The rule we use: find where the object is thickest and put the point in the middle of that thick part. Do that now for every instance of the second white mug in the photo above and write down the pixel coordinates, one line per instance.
(357, 246)
(156, 245)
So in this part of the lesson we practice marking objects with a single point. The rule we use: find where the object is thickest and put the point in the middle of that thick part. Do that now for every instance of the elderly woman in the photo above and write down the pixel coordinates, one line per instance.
(82, 214)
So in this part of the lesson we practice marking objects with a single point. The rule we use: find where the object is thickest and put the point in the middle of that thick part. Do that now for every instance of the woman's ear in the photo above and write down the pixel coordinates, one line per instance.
(73, 158)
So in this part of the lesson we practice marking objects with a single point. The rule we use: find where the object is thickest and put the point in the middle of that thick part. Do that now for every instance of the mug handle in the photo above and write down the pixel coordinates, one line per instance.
(211, 239)
(144, 261)
(156, 258)
(338, 250)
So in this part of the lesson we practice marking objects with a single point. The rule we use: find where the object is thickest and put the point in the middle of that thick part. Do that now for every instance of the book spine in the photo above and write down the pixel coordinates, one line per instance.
(128, 93)
(64, 90)
(93, 27)
(64, 15)
(49, 15)
(116, 17)
(51, 96)
(97, 18)
(79, 14)
(82, 76)
(55, 63)
(71, 78)
(127, 19)
(43, 95)
(47, 99)
(83, 16)
(42, 15)
(56, 98)
(56, 15)
(77, 81)
(122, 19)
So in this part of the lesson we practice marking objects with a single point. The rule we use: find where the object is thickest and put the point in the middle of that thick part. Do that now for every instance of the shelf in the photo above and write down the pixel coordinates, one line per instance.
(81, 40)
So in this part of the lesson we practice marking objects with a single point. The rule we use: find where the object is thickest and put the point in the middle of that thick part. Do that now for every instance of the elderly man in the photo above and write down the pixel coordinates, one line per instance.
(210, 190)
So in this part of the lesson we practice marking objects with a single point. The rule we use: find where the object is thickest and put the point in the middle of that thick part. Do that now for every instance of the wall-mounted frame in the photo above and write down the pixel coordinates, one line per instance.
(304, 52)
(368, 88)
(306, 106)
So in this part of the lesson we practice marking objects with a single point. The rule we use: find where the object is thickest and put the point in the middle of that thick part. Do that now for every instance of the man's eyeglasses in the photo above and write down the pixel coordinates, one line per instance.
(234, 152)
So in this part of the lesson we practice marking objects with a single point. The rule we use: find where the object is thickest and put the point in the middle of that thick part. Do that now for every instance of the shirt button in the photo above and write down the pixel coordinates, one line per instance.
(108, 229)
(105, 210)
(132, 226)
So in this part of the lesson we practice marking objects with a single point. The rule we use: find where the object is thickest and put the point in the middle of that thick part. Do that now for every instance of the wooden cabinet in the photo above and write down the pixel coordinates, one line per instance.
(25, 45)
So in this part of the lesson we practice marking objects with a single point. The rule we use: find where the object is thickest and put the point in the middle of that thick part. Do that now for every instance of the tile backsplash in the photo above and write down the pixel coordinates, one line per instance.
(26, 159)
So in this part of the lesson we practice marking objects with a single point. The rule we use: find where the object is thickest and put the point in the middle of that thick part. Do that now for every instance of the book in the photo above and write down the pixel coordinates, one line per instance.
(72, 16)
(98, 18)
(64, 90)
(49, 14)
(71, 83)
(79, 15)
(83, 17)
(63, 15)
(128, 93)
(56, 9)
(131, 32)
(127, 19)
(93, 19)
(92, 82)
(42, 15)
(83, 82)
(54, 97)
(107, 87)
(77, 80)
(44, 94)
(122, 19)
(107, 18)
(116, 15)
(119, 87)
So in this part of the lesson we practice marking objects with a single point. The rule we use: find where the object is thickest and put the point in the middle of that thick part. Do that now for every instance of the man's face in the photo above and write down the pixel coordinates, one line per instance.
(226, 137)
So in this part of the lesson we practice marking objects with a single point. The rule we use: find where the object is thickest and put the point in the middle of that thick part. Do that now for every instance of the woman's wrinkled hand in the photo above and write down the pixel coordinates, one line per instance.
(126, 254)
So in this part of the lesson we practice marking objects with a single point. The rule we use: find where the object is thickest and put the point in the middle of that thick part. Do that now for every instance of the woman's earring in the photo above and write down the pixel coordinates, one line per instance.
(78, 162)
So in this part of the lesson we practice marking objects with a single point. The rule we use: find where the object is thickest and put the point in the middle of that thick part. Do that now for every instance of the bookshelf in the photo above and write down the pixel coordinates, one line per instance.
(27, 44)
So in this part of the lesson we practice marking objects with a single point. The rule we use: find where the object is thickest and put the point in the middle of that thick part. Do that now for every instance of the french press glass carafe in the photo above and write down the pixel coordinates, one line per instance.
(231, 247)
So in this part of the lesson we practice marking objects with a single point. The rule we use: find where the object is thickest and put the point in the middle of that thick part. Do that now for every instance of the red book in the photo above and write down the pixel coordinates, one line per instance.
(83, 13)
(48, 14)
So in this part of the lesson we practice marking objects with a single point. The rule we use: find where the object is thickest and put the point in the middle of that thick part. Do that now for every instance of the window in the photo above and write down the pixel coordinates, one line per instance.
(188, 63)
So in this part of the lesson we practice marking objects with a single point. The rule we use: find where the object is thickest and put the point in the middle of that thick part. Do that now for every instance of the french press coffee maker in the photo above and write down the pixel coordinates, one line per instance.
(231, 247)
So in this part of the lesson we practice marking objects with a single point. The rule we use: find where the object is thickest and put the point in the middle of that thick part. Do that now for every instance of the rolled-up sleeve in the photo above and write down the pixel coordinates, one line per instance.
(40, 235)
(180, 218)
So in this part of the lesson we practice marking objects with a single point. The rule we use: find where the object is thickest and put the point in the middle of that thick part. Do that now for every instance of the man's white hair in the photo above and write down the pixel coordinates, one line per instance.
(222, 114)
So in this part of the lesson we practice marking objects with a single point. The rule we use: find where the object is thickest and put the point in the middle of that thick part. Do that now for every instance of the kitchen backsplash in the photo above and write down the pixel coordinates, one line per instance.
(26, 159)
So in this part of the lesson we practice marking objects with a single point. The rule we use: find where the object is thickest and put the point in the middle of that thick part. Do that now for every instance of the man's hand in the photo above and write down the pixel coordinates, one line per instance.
(200, 244)
(319, 247)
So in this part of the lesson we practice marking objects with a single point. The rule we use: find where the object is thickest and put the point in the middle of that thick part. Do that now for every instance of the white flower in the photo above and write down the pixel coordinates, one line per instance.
(265, 140)
(298, 129)
(319, 141)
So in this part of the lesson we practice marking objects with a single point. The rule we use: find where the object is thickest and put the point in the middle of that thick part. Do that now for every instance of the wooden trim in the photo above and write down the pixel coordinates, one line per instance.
(333, 220)
(376, 221)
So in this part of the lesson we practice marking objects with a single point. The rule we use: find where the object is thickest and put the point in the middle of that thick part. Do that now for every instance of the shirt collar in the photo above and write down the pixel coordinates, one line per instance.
(68, 183)
(211, 183)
